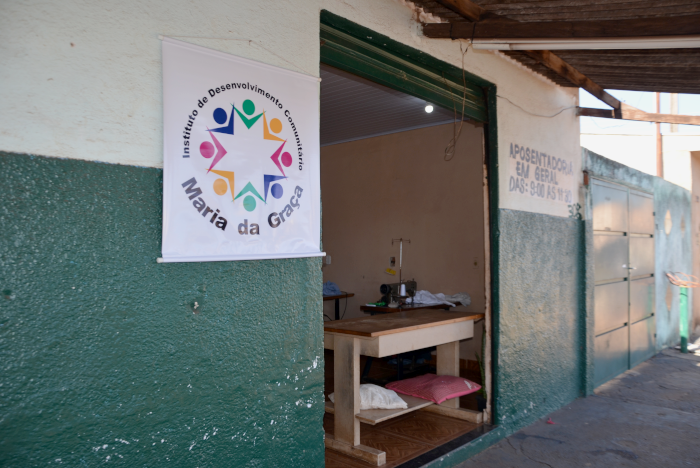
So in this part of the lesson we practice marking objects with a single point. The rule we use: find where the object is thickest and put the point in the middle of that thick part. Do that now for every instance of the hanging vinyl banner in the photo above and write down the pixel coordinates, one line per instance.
(241, 158)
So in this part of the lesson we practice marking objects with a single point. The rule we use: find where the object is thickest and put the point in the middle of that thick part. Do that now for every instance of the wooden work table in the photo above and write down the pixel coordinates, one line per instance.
(386, 335)
(404, 308)
(337, 299)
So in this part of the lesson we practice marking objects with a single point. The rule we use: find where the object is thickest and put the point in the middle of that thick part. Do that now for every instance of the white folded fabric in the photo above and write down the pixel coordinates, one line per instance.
(424, 297)
(463, 298)
(376, 397)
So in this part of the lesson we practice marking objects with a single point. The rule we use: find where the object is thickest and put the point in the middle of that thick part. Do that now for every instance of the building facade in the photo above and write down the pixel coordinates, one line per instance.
(109, 355)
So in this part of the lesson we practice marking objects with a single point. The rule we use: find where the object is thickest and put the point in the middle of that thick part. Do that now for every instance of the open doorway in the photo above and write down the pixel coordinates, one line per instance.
(388, 174)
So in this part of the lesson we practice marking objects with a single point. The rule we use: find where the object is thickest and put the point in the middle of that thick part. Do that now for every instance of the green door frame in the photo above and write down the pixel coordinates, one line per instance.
(366, 53)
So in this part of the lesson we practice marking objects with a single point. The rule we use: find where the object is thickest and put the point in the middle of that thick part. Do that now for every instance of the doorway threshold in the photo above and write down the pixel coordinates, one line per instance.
(407, 441)
(459, 449)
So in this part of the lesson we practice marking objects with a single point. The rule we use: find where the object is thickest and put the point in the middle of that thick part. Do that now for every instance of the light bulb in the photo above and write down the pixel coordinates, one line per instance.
(429, 108)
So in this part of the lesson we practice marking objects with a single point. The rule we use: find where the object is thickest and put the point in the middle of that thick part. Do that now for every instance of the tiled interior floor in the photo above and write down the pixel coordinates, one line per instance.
(402, 438)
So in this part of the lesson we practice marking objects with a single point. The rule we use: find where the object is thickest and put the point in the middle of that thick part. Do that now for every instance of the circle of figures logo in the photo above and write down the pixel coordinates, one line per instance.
(241, 149)
(216, 150)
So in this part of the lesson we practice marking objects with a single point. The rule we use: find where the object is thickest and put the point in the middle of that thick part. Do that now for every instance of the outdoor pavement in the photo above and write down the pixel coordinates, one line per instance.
(647, 417)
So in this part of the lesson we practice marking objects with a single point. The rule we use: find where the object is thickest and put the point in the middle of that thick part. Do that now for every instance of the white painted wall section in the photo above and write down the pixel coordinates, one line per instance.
(639, 152)
(635, 151)
(83, 79)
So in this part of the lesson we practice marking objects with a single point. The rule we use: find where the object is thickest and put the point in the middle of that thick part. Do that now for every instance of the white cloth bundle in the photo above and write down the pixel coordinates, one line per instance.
(424, 297)
(376, 397)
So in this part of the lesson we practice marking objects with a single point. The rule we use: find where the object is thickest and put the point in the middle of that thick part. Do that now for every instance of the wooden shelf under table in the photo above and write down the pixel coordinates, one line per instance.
(385, 335)
(375, 416)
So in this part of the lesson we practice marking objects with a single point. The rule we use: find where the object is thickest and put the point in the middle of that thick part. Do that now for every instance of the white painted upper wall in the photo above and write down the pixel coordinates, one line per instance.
(83, 79)
(639, 152)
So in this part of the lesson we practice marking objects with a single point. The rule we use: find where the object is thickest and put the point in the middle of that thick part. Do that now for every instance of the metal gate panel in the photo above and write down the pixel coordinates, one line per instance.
(642, 297)
(641, 213)
(611, 354)
(610, 256)
(623, 243)
(610, 306)
(642, 340)
(642, 256)
(609, 207)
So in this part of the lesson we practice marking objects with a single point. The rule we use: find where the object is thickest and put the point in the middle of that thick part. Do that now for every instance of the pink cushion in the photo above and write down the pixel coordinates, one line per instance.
(437, 388)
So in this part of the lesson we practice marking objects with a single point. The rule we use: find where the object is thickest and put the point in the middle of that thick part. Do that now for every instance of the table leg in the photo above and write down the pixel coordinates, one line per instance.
(337, 309)
(448, 364)
(346, 385)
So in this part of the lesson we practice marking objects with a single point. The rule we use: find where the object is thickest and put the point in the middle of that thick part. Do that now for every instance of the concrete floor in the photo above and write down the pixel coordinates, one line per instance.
(647, 417)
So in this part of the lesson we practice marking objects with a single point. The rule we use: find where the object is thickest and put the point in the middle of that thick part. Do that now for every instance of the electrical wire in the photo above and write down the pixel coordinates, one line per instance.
(450, 149)
(594, 120)
(533, 114)
(345, 310)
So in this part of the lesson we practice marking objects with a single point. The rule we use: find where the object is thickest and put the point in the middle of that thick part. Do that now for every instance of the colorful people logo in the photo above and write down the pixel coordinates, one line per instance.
(216, 150)
(220, 118)
(249, 109)
(207, 150)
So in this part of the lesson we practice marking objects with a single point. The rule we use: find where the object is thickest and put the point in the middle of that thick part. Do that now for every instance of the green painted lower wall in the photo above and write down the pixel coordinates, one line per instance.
(103, 357)
(541, 354)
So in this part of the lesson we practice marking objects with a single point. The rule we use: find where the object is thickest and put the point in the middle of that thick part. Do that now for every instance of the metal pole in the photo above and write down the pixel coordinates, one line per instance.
(684, 319)
(659, 142)
(400, 259)
(400, 240)
(684, 282)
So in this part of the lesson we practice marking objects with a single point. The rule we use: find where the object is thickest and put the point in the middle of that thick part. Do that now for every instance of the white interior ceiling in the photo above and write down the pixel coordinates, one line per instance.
(353, 108)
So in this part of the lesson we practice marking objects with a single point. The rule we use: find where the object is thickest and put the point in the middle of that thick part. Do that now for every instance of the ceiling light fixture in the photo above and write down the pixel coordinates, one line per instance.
(429, 108)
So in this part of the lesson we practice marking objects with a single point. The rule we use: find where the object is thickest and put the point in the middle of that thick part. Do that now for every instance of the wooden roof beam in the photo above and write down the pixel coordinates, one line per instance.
(619, 110)
(639, 115)
(465, 8)
(554, 63)
(605, 43)
(503, 28)
(569, 29)
(565, 70)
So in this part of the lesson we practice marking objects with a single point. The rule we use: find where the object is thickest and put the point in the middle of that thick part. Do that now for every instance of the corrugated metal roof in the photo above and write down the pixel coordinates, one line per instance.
(353, 108)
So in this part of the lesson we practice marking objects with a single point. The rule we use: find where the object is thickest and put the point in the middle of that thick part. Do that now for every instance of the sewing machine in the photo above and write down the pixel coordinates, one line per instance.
(391, 292)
